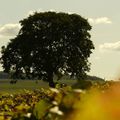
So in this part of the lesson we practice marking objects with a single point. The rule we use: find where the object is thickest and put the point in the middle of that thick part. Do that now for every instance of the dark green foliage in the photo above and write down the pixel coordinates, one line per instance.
(86, 84)
(94, 78)
(49, 44)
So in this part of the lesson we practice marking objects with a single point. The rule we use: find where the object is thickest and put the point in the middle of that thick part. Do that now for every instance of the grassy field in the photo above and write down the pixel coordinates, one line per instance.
(5, 85)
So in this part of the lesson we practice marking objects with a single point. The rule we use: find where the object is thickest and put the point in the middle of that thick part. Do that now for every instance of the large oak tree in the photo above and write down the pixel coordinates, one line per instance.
(49, 44)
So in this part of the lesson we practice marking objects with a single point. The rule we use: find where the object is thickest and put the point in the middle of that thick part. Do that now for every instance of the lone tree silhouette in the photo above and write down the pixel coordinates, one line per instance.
(49, 44)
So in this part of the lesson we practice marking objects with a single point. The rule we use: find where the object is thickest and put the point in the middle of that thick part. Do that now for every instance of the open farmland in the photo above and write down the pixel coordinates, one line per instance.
(5, 85)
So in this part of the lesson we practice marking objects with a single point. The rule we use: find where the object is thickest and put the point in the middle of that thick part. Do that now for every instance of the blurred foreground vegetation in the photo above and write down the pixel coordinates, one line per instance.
(101, 101)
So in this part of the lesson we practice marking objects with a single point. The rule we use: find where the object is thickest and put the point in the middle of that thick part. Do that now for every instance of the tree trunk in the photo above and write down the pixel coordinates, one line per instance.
(50, 80)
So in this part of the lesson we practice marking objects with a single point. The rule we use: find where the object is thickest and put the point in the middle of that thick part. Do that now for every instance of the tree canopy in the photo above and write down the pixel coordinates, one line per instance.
(49, 44)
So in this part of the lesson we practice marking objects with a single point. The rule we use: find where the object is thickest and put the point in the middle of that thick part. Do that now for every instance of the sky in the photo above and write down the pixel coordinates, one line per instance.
(103, 16)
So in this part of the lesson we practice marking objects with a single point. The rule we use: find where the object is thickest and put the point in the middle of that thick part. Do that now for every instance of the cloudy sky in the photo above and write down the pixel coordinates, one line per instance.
(103, 15)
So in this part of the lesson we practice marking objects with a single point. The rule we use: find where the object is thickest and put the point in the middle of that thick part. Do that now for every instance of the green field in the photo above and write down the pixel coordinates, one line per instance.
(5, 85)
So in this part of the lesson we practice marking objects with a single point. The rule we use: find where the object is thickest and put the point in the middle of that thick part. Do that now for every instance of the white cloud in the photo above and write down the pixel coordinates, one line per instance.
(101, 20)
(52, 10)
(9, 29)
(110, 47)
(31, 12)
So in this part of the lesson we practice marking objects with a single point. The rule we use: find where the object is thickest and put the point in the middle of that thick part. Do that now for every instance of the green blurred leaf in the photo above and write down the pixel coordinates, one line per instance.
(22, 107)
(41, 108)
